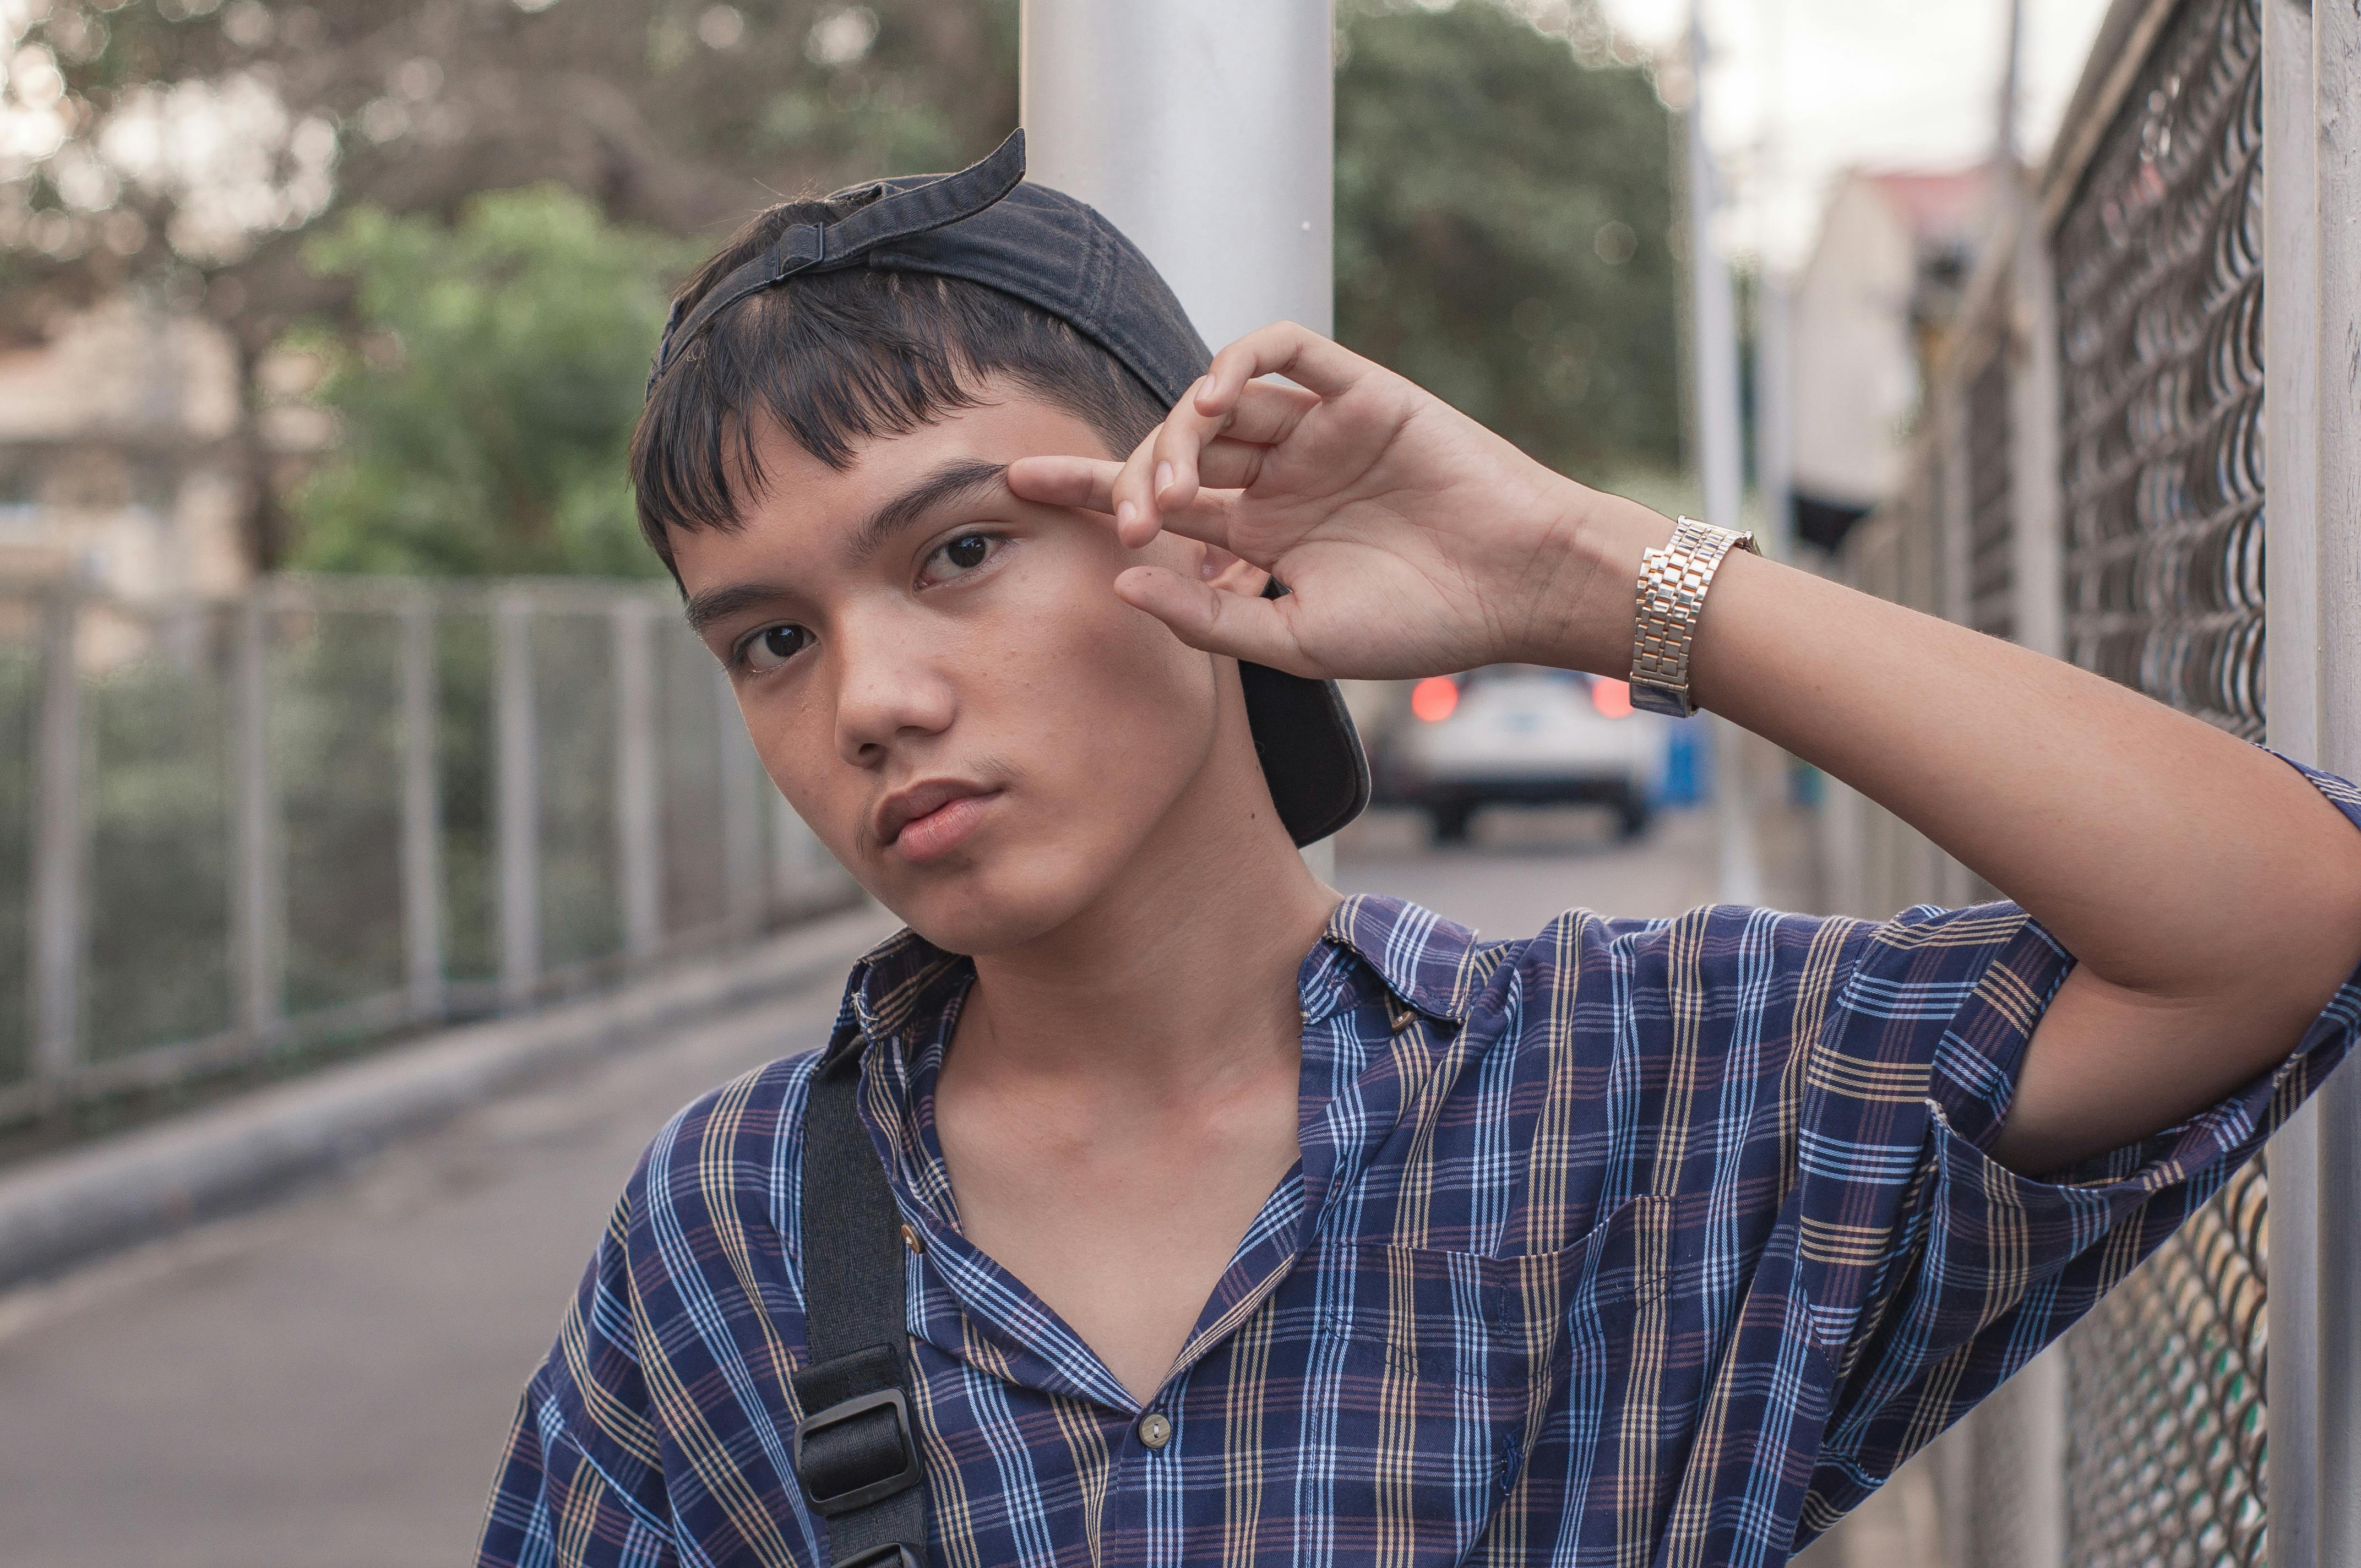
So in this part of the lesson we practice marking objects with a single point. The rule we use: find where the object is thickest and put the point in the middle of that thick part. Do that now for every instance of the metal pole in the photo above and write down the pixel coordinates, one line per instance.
(1774, 435)
(2298, 1466)
(2312, 102)
(57, 902)
(1949, 413)
(2037, 539)
(1714, 317)
(516, 824)
(790, 845)
(1951, 521)
(2035, 419)
(1205, 129)
(741, 810)
(639, 848)
(2010, 93)
(422, 813)
(254, 884)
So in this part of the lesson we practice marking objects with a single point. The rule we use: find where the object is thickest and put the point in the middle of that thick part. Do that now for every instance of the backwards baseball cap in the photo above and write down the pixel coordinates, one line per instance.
(985, 226)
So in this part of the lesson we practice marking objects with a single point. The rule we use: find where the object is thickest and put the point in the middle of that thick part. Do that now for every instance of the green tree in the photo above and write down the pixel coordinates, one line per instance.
(486, 386)
(1503, 212)
(193, 147)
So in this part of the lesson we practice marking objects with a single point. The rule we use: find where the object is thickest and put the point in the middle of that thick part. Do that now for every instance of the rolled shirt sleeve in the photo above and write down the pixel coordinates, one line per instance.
(1981, 1267)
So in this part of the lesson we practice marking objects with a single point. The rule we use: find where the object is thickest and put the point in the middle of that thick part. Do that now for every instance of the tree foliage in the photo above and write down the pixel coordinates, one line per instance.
(188, 146)
(1501, 215)
(486, 391)
(1503, 219)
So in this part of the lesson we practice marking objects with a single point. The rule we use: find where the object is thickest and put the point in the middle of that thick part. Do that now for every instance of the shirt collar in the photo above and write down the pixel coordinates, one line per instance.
(1424, 962)
(903, 980)
(1427, 962)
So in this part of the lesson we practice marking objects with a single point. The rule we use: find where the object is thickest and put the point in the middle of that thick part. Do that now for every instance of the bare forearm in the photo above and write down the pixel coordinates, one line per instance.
(2165, 853)
(2199, 881)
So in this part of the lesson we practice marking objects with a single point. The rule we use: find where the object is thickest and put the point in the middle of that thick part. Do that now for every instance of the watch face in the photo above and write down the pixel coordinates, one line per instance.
(1650, 697)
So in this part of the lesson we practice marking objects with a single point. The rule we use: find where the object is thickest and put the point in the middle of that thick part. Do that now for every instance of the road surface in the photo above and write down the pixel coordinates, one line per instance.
(325, 1383)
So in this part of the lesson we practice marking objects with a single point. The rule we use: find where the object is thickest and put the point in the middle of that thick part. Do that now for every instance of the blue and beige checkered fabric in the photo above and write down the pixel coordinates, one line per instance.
(1638, 1242)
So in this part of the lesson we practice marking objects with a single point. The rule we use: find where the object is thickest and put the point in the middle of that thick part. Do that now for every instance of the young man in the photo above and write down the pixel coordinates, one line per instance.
(1210, 1218)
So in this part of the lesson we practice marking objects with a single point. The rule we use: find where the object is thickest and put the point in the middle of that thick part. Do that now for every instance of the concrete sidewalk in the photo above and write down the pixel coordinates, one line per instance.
(327, 1381)
(65, 1208)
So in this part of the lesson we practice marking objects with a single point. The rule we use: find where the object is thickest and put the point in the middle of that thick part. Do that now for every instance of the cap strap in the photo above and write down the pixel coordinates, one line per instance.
(804, 248)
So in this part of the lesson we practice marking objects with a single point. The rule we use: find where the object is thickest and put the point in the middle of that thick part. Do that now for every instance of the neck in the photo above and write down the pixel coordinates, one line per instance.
(1181, 976)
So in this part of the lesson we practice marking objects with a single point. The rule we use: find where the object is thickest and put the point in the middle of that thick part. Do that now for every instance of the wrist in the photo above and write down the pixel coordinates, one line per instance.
(1586, 598)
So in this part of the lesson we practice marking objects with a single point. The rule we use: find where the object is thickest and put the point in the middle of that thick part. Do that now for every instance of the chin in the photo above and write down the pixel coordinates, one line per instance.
(1003, 898)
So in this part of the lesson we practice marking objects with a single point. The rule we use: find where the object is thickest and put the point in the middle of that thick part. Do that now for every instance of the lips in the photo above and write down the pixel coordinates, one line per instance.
(917, 802)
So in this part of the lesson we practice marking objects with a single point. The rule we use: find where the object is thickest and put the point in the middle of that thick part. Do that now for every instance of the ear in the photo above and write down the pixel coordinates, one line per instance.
(1229, 573)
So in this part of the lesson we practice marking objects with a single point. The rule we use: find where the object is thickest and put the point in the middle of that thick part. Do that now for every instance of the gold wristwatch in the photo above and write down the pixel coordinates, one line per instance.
(1673, 582)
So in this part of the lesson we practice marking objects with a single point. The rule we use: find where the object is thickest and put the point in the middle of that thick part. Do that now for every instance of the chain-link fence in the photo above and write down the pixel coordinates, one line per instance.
(337, 807)
(2160, 271)
(2088, 479)
(2159, 284)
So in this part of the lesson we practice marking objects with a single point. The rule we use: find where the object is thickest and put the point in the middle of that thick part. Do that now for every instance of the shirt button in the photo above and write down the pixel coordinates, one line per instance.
(910, 1239)
(1154, 1429)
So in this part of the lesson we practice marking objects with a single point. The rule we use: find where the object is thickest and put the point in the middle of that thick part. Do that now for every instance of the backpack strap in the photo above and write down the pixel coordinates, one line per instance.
(856, 1449)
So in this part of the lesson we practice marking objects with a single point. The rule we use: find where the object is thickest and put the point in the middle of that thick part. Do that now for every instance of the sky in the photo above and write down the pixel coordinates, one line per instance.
(1799, 90)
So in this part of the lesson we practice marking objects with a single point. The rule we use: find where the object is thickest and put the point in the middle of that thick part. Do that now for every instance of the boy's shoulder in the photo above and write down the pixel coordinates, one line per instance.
(747, 1135)
(737, 1145)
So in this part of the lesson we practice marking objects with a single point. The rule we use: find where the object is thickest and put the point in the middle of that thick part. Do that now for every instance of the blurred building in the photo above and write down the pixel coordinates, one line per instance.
(1869, 308)
(121, 460)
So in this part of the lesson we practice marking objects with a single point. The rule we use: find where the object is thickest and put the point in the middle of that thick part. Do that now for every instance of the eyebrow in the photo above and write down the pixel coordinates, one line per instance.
(955, 480)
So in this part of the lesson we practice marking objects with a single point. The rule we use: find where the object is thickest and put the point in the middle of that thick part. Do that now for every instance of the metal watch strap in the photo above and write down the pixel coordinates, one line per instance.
(1673, 584)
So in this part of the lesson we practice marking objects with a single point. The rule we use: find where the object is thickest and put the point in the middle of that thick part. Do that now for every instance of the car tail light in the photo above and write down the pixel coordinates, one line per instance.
(1433, 698)
(1612, 698)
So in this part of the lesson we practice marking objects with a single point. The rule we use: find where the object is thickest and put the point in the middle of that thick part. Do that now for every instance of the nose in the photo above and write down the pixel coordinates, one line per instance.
(890, 691)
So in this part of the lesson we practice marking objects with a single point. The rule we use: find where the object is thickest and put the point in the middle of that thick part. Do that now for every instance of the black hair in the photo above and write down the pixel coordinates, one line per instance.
(835, 358)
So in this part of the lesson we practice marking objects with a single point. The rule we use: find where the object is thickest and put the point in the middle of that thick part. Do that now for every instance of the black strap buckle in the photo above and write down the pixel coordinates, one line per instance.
(892, 1554)
(857, 1475)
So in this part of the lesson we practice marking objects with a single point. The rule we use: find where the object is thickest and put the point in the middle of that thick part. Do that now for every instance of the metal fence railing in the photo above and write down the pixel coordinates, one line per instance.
(336, 806)
(2088, 478)
(2165, 1450)
(2160, 267)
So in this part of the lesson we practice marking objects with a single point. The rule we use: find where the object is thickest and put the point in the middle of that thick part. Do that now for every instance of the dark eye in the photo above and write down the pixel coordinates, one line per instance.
(964, 553)
(773, 646)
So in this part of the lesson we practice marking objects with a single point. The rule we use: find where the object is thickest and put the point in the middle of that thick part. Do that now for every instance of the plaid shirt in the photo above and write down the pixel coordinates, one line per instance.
(1639, 1242)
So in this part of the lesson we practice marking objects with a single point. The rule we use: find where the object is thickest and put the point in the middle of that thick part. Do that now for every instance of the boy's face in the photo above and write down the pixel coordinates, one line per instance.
(939, 677)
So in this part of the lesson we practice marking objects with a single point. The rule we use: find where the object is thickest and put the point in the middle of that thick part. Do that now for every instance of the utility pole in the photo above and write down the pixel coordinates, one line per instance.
(1774, 429)
(1713, 332)
(1206, 130)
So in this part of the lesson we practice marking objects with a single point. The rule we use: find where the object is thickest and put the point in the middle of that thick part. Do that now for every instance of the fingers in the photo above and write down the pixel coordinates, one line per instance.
(1164, 471)
(1283, 348)
(1202, 616)
(1084, 482)
(1192, 448)
(1087, 484)
(1267, 412)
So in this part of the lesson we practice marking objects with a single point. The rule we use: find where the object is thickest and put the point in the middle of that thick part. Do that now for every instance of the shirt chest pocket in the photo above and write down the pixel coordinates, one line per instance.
(1431, 1374)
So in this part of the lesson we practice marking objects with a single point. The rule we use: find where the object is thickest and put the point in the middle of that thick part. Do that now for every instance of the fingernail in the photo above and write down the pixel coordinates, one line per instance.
(1207, 571)
(1163, 478)
(1123, 512)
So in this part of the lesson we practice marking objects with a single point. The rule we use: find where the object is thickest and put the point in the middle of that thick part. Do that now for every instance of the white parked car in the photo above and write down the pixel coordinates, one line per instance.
(1528, 734)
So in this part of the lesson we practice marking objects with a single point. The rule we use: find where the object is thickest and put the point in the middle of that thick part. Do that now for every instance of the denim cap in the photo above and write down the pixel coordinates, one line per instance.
(986, 225)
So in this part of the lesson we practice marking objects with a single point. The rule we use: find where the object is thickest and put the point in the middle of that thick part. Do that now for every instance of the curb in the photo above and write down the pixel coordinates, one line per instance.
(70, 1208)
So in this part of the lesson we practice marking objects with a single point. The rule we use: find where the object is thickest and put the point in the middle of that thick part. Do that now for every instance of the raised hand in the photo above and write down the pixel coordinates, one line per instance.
(1411, 540)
